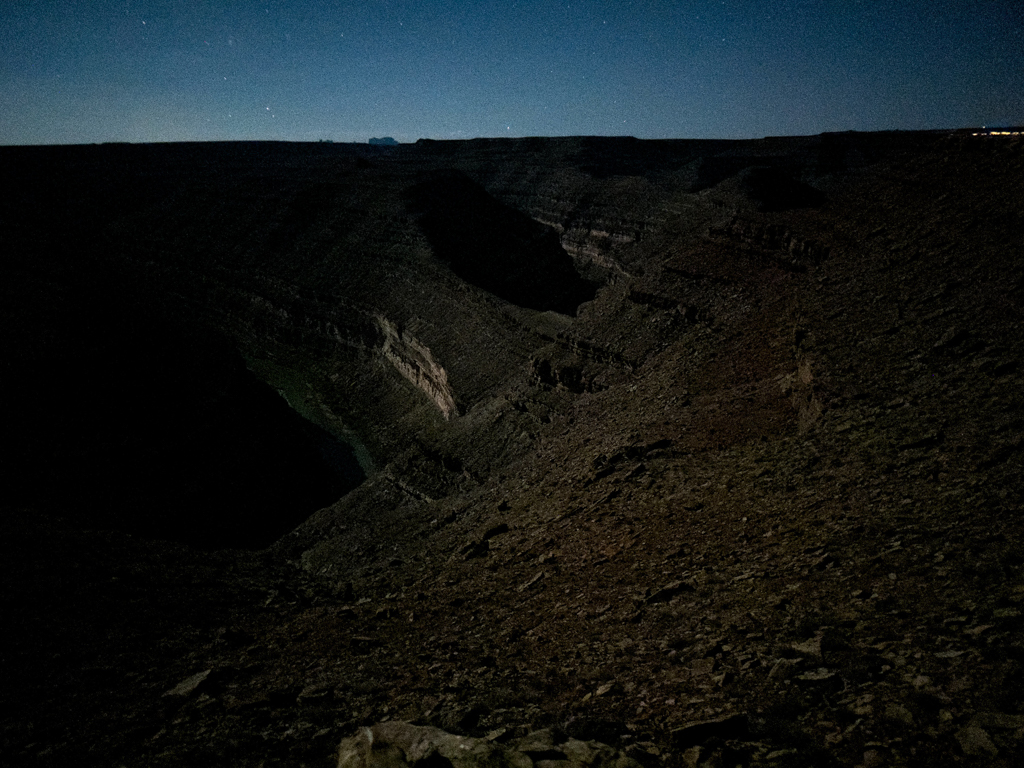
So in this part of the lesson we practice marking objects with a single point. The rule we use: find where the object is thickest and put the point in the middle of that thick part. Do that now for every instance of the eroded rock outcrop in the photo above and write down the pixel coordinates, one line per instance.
(414, 361)
(789, 247)
(351, 331)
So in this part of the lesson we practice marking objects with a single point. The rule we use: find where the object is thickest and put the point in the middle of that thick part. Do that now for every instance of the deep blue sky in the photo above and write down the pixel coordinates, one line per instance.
(77, 71)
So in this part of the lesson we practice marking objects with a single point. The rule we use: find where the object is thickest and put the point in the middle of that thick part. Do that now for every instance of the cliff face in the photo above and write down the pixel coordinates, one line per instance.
(415, 362)
(710, 451)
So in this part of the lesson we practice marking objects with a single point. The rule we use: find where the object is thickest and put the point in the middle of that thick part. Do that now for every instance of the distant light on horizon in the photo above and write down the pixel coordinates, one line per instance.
(158, 70)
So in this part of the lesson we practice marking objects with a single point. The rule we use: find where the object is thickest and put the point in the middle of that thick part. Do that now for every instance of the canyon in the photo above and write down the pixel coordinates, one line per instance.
(694, 452)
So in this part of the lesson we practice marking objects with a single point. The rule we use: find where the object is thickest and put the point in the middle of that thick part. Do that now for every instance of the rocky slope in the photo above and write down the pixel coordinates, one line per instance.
(707, 451)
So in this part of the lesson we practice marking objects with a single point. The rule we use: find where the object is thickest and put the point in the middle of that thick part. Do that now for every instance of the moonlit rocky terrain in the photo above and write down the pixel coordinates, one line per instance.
(544, 452)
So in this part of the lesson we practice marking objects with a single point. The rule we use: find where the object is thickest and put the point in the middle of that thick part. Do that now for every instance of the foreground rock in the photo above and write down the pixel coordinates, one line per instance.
(402, 745)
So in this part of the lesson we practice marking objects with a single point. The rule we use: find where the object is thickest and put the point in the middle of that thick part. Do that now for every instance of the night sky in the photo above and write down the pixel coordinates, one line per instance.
(82, 71)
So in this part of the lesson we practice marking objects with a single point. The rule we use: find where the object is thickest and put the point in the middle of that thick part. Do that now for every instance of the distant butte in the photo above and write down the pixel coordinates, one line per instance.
(652, 453)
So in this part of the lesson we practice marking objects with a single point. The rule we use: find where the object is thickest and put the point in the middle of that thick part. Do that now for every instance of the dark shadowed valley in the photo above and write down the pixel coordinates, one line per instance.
(538, 452)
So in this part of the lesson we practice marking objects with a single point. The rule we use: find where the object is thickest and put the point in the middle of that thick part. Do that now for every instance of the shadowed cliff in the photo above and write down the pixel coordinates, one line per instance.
(496, 247)
(128, 417)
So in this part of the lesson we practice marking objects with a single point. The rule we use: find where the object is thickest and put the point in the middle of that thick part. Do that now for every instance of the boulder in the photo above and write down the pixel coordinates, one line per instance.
(403, 745)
